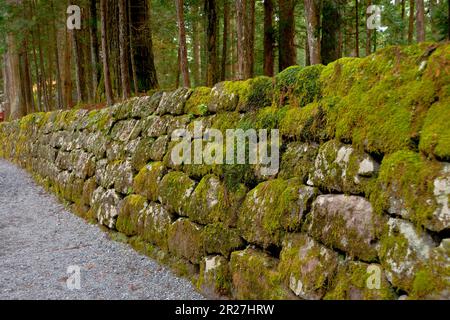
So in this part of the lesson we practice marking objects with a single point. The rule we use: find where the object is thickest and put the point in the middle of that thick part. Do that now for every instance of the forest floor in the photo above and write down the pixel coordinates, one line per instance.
(40, 240)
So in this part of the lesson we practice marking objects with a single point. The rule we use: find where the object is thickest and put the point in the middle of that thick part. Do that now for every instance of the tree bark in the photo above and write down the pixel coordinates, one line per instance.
(420, 21)
(197, 72)
(241, 38)
(143, 43)
(184, 66)
(14, 96)
(212, 74)
(58, 70)
(286, 43)
(356, 28)
(251, 18)
(94, 46)
(368, 33)
(269, 39)
(124, 49)
(411, 21)
(226, 23)
(313, 12)
(330, 32)
(105, 54)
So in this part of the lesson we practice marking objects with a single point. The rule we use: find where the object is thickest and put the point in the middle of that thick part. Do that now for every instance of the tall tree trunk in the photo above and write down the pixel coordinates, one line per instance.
(196, 46)
(184, 66)
(448, 20)
(57, 60)
(420, 21)
(269, 39)
(313, 12)
(357, 28)
(330, 32)
(411, 21)
(241, 38)
(212, 74)
(226, 23)
(67, 74)
(14, 96)
(94, 46)
(124, 46)
(132, 52)
(368, 33)
(286, 43)
(251, 18)
(143, 43)
(105, 54)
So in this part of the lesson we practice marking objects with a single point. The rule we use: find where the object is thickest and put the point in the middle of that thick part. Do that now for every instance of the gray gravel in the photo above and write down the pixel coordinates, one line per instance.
(40, 239)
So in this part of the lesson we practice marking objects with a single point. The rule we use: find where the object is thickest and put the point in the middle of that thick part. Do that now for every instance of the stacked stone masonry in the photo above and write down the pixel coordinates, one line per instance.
(364, 180)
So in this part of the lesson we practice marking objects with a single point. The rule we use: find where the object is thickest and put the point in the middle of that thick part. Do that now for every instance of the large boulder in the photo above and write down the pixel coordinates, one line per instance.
(273, 208)
(212, 202)
(360, 281)
(255, 276)
(404, 249)
(415, 189)
(215, 278)
(347, 223)
(307, 266)
(175, 189)
(340, 168)
(185, 240)
(174, 102)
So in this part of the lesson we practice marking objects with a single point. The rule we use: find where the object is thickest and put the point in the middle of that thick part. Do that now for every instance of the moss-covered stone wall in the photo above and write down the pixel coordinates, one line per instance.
(363, 188)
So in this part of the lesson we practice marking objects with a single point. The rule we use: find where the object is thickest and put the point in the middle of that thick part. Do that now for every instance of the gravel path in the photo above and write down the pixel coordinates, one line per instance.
(40, 240)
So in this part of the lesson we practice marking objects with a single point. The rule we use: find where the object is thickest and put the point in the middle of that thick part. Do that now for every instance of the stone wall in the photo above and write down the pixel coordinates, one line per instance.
(363, 189)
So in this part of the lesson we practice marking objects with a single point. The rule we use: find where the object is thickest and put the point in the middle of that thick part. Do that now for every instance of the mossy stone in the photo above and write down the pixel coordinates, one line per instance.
(255, 276)
(155, 223)
(197, 104)
(185, 240)
(347, 223)
(175, 189)
(306, 266)
(219, 239)
(130, 210)
(146, 182)
(274, 208)
(404, 249)
(415, 189)
(212, 202)
(215, 278)
(353, 282)
(341, 168)
(298, 86)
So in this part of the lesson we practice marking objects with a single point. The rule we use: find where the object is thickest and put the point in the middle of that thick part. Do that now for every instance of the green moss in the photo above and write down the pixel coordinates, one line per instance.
(255, 276)
(197, 104)
(298, 86)
(306, 266)
(155, 223)
(381, 100)
(129, 214)
(215, 277)
(351, 283)
(433, 278)
(405, 186)
(213, 202)
(146, 182)
(298, 160)
(273, 208)
(435, 137)
(175, 190)
(219, 239)
(185, 240)
(142, 154)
